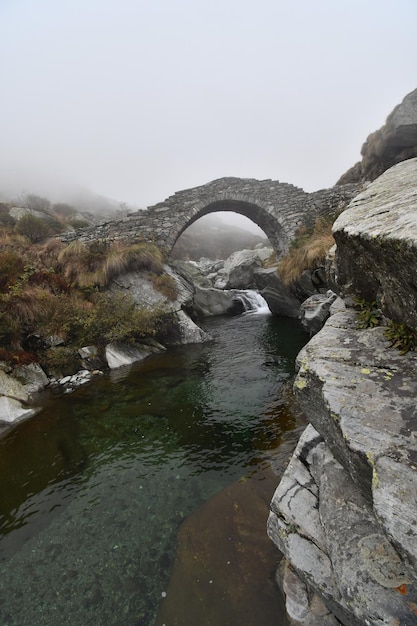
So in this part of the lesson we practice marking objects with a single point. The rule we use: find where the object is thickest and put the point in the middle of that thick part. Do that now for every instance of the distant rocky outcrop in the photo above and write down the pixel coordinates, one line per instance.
(396, 141)
(344, 513)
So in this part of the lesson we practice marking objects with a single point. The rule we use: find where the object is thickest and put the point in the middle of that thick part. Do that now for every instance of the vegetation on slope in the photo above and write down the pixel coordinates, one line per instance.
(55, 294)
(307, 251)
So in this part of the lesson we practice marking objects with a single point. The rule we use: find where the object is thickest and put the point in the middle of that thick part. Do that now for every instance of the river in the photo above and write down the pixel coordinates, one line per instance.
(95, 488)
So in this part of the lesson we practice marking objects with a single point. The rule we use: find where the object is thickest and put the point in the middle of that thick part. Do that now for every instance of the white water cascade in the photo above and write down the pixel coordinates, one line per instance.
(251, 300)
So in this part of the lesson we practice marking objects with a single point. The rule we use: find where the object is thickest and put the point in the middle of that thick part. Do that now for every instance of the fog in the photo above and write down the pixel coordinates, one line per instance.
(134, 100)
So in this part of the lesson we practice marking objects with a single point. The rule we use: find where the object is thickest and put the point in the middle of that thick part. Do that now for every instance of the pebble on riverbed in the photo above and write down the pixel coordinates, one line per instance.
(76, 380)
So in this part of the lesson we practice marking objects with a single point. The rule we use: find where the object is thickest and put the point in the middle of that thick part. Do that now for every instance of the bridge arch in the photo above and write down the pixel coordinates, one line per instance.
(279, 209)
(249, 208)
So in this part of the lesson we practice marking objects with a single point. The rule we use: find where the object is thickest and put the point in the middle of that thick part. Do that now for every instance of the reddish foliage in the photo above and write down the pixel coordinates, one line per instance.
(54, 282)
(17, 357)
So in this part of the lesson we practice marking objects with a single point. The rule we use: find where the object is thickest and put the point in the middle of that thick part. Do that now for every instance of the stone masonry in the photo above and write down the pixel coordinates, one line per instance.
(280, 209)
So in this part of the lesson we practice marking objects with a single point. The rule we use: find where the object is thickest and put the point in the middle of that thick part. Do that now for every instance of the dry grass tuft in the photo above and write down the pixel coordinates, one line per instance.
(166, 285)
(270, 261)
(100, 263)
(49, 251)
(309, 250)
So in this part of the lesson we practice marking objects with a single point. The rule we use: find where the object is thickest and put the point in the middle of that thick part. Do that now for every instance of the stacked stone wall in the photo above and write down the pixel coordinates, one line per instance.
(280, 209)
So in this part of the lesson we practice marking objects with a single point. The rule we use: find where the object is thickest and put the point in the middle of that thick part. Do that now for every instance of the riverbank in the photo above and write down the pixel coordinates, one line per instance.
(354, 474)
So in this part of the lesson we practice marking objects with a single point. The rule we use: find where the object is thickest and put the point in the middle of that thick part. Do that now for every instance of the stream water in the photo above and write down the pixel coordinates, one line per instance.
(95, 488)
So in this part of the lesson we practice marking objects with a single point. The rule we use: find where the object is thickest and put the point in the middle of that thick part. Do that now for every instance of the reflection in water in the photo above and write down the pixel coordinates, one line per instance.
(94, 489)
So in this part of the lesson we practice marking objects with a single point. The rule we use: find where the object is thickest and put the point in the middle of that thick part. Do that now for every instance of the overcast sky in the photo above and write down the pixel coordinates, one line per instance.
(137, 99)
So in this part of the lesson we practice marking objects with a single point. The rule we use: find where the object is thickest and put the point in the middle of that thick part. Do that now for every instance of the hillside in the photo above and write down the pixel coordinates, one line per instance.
(212, 238)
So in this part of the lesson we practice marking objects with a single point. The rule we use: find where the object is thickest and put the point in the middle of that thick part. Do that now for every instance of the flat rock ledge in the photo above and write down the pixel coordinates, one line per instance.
(344, 514)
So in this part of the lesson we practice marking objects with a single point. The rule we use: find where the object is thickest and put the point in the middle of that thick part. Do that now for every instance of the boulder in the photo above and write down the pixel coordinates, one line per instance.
(211, 301)
(192, 272)
(13, 410)
(17, 389)
(18, 212)
(141, 289)
(189, 332)
(315, 310)
(143, 292)
(362, 578)
(353, 475)
(360, 396)
(279, 298)
(123, 354)
(376, 239)
(394, 142)
(239, 268)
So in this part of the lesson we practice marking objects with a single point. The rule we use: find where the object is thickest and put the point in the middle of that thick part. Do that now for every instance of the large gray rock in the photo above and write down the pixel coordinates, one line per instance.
(239, 268)
(360, 396)
(119, 354)
(213, 301)
(315, 310)
(189, 332)
(18, 212)
(279, 298)
(303, 607)
(336, 545)
(140, 287)
(17, 390)
(376, 256)
(199, 273)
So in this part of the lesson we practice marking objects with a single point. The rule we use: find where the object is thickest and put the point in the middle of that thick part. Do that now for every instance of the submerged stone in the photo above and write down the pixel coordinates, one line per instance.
(224, 568)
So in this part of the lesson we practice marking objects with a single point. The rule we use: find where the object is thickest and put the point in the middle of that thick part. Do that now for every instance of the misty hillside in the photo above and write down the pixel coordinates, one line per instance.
(214, 239)
(81, 199)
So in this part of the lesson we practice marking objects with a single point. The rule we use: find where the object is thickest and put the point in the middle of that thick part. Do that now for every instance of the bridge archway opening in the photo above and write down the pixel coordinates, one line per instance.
(217, 235)
(255, 218)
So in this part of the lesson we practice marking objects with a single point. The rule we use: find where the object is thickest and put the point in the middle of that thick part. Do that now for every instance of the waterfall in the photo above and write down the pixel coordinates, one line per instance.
(251, 300)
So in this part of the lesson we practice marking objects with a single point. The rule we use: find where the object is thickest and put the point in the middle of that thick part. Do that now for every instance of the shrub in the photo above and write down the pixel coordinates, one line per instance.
(32, 227)
(54, 226)
(115, 318)
(5, 219)
(34, 202)
(369, 315)
(11, 266)
(17, 357)
(22, 311)
(46, 254)
(60, 360)
(401, 337)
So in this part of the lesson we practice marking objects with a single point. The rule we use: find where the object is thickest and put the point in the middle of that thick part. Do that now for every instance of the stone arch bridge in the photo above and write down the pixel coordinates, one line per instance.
(279, 209)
